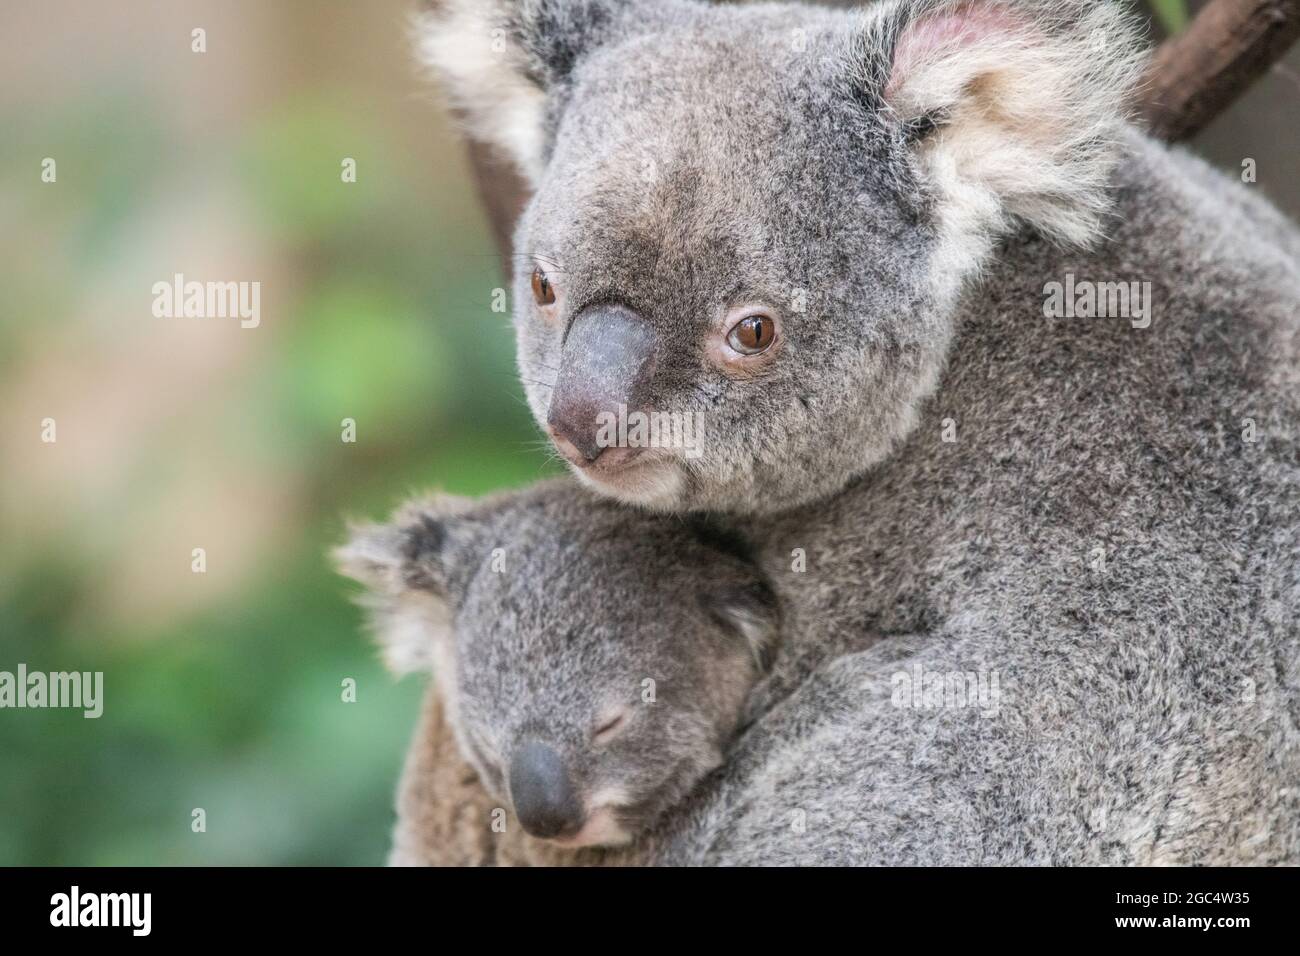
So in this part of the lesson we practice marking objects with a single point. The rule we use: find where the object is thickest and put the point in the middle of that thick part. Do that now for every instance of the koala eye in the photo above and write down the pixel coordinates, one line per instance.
(609, 726)
(543, 290)
(753, 334)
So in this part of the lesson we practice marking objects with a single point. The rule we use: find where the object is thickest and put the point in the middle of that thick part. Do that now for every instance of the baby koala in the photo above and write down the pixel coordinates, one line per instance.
(593, 661)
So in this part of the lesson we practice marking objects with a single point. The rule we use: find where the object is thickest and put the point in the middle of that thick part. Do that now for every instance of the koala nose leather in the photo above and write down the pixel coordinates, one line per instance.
(544, 799)
(607, 361)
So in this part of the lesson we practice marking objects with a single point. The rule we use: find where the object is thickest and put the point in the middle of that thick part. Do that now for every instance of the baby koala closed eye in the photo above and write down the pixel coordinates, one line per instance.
(593, 661)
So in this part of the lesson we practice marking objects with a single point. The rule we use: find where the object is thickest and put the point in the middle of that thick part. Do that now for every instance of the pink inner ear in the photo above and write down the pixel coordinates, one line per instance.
(946, 32)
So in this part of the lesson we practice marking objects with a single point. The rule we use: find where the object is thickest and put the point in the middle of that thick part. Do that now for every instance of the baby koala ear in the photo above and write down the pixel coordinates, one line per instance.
(407, 555)
(408, 567)
(751, 613)
(496, 60)
(1013, 106)
(373, 556)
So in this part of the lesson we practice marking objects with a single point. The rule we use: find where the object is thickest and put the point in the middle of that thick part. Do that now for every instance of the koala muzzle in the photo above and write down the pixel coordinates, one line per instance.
(605, 371)
(543, 795)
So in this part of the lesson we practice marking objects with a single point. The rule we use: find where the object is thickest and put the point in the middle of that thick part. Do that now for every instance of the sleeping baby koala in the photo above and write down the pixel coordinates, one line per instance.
(593, 661)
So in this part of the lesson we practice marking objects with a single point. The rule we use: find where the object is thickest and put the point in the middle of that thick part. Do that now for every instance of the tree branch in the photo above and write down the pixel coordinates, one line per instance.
(503, 193)
(1196, 75)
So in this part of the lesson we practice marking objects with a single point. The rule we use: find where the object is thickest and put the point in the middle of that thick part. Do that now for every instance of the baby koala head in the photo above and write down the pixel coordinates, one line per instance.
(593, 661)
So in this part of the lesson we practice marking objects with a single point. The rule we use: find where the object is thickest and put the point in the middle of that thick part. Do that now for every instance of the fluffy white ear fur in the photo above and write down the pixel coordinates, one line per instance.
(1028, 97)
(373, 556)
(410, 617)
(470, 46)
(413, 632)
(408, 624)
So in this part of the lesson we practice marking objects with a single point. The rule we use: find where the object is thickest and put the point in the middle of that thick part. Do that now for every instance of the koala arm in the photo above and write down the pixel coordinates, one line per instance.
(859, 767)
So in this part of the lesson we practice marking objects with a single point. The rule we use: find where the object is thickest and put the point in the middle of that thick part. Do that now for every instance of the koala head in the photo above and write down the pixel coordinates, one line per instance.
(750, 223)
(593, 661)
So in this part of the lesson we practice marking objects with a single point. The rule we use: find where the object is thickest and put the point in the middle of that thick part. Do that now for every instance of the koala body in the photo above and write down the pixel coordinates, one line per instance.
(833, 235)
(1102, 538)
(593, 662)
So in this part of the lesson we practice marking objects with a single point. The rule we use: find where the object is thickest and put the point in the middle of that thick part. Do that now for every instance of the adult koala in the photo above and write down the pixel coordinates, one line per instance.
(833, 238)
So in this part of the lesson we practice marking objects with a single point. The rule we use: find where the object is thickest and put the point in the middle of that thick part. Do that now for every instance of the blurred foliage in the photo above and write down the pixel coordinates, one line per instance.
(235, 706)
(1172, 14)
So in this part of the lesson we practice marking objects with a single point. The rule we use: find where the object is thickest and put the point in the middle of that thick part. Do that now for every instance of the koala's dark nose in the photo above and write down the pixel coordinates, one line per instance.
(607, 362)
(544, 798)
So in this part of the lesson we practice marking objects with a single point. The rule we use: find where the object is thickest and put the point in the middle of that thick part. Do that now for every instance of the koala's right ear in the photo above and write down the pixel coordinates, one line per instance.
(498, 59)
(1014, 107)
(409, 570)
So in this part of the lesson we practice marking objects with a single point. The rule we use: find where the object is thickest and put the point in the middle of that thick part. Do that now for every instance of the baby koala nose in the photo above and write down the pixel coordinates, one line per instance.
(543, 794)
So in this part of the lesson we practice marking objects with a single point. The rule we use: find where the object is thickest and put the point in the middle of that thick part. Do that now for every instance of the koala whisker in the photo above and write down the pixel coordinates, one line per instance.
(542, 445)
(550, 456)
(548, 261)
(537, 444)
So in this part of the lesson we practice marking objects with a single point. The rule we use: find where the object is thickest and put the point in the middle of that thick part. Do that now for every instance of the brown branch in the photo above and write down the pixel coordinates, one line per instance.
(1196, 75)
(1192, 78)
(503, 193)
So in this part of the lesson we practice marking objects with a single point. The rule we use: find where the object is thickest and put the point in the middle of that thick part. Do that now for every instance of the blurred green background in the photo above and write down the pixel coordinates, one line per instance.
(223, 689)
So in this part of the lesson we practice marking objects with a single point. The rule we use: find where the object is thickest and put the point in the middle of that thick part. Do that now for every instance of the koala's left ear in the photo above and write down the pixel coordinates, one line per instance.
(373, 556)
(498, 59)
(1013, 106)
(751, 612)
(410, 570)
(411, 554)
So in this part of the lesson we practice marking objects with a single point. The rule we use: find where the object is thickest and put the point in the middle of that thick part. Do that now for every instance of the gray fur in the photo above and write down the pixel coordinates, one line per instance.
(1101, 534)
(1149, 700)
